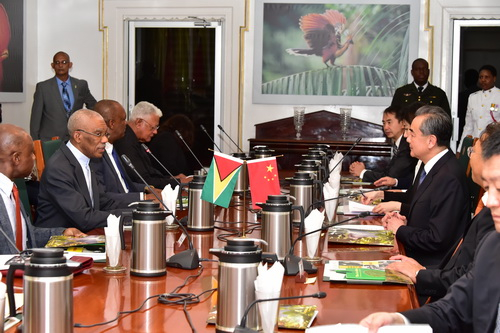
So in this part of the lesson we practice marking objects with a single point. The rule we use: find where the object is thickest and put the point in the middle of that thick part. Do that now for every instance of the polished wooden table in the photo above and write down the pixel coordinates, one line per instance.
(99, 296)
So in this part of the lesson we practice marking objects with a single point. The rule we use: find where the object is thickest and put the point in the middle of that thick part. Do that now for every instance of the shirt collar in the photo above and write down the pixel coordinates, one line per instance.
(59, 81)
(424, 86)
(398, 141)
(82, 159)
(109, 148)
(6, 185)
(430, 163)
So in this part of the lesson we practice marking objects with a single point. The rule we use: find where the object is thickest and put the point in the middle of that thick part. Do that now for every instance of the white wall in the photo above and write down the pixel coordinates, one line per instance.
(72, 26)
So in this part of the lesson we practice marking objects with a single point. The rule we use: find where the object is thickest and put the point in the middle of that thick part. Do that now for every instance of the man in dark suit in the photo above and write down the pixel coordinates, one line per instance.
(435, 211)
(69, 192)
(56, 99)
(109, 169)
(401, 164)
(472, 302)
(16, 161)
(435, 281)
(142, 126)
(420, 90)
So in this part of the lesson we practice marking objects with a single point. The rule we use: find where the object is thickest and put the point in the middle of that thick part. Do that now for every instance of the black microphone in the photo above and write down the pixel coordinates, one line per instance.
(187, 259)
(146, 148)
(291, 261)
(187, 146)
(381, 188)
(205, 130)
(343, 157)
(220, 127)
(241, 328)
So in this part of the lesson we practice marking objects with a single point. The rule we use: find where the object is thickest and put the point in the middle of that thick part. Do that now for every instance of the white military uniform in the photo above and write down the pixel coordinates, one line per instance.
(483, 108)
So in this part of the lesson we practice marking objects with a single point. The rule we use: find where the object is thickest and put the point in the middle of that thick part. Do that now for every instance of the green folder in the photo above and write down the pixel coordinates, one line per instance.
(365, 274)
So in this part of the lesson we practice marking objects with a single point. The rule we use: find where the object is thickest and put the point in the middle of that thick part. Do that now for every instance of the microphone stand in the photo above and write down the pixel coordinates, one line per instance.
(241, 328)
(187, 259)
(205, 130)
(222, 130)
(291, 261)
(187, 146)
(179, 196)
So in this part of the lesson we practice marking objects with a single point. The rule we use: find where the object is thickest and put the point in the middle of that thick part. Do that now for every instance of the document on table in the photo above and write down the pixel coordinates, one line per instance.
(355, 328)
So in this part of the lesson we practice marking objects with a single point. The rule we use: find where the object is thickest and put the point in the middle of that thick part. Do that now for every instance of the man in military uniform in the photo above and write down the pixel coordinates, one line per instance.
(420, 90)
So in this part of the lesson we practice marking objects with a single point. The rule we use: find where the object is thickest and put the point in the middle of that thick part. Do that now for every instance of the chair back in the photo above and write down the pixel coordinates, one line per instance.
(463, 158)
(23, 196)
(43, 151)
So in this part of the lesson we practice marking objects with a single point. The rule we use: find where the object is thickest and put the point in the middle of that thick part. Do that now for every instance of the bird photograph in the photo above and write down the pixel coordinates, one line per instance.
(335, 49)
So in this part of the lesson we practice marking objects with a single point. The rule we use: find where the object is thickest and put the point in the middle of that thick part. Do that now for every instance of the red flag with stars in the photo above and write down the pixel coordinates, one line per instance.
(264, 179)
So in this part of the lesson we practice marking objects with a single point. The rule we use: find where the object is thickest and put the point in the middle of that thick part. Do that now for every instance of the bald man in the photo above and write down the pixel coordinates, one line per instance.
(16, 161)
(69, 192)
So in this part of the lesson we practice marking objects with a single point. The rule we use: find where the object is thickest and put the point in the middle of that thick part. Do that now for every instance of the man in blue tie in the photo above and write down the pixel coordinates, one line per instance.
(56, 99)
(472, 303)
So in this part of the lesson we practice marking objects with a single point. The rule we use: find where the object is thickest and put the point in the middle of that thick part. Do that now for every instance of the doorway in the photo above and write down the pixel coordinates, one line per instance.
(176, 66)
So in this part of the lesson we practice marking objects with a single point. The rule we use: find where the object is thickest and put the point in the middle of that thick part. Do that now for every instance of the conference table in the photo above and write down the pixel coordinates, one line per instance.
(98, 296)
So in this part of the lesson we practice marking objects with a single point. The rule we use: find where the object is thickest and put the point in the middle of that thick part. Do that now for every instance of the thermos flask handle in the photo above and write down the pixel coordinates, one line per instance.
(122, 236)
(302, 217)
(320, 185)
(10, 286)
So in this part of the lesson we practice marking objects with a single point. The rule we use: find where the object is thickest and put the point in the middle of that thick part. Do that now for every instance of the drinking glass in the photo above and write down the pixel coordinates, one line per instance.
(345, 120)
(298, 119)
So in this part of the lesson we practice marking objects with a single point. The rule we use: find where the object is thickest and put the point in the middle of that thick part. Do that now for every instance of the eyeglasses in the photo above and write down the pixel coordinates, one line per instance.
(470, 150)
(153, 128)
(97, 134)
(64, 62)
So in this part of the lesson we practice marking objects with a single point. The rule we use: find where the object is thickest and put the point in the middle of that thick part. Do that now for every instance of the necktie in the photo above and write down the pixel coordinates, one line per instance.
(88, 178)
(422, 177)
(66, 100)
(120, 167)
(19, 222)
(394, 149)
(420, 89)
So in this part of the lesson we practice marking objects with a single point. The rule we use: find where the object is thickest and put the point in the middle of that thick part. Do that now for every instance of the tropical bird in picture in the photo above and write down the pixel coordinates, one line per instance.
(323, 34)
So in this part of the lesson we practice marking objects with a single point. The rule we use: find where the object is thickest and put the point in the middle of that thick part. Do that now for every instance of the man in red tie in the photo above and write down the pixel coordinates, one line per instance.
(16, 161)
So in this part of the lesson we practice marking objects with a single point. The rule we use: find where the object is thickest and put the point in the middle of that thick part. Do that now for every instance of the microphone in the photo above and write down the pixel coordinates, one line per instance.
(241, 328)
(146, 148)
(343, 157)
(187, 259)
(205, 130)
(187, 146)
(220, 127)
(381, 188)
(291, 261)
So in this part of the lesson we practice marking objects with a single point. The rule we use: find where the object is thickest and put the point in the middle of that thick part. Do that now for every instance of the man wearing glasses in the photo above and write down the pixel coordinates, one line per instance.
(56, 99)
(70, 195)
(142, 126)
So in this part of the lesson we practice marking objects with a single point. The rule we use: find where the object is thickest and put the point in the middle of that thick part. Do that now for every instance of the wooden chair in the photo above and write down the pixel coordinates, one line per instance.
(43, 151)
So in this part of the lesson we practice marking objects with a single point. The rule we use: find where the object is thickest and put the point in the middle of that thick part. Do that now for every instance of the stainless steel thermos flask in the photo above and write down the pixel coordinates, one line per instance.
(238, 262)
(200, 212)
(48, 292)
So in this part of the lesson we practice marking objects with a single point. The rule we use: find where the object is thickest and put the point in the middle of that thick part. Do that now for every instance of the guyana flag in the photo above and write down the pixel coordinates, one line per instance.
(264, 179)
(221, 179)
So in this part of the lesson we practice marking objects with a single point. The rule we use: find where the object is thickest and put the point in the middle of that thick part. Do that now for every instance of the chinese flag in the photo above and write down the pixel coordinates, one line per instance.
(264, 179)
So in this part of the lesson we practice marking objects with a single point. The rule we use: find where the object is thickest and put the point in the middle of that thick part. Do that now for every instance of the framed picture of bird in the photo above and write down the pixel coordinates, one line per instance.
(333, 52)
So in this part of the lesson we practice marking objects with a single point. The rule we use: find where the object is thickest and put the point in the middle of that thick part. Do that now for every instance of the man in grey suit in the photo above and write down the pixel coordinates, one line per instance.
(16, 161)
(56, 99)
(70, 194)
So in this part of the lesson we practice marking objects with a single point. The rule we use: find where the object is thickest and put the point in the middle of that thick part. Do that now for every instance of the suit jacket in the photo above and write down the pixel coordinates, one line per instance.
(36, 237)
(438, 211)
(109, 179)
(400, 165)
(64, 199)
(471, 304)
(130, 146)
(48, 115)
(432, 95)
(435, 282)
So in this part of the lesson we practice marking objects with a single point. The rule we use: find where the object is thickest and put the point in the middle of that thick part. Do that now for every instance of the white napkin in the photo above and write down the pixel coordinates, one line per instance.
(356, 207)
(268, 285)
(312, 222)
(334, 177)
(169, 197)
(331, 205)
(113, 243)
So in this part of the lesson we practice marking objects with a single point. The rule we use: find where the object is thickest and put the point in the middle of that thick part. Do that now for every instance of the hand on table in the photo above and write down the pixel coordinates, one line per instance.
(73, 232)
(408, 266)
(355, 168)
(393, 221)
(385, 181)
(368, 197)
(379, 319)
(387, 207)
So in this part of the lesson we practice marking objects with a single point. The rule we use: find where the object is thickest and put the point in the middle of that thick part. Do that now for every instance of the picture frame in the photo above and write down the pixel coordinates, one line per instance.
(333, 52)
(12, 51)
